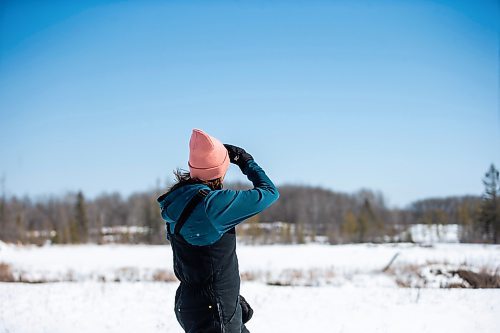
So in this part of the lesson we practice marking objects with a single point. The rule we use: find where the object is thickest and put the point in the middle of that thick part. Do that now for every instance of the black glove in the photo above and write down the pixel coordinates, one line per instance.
(246, 310)
(238, 156)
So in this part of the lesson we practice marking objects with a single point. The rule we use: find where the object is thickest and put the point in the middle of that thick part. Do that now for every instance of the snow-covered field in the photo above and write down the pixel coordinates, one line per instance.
(296, 288)
(147, 307)
(306, 265)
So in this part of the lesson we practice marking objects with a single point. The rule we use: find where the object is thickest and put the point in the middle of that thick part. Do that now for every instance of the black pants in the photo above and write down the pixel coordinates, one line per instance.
(207, 319)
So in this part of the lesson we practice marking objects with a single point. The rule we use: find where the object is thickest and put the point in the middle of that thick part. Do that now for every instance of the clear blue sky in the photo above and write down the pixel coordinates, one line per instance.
(396, 96)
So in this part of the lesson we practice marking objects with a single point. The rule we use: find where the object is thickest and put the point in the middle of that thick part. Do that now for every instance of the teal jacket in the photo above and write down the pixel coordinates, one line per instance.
(221, 210)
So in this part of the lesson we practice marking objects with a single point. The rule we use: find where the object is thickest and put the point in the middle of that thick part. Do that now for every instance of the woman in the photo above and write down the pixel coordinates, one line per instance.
(200, 223)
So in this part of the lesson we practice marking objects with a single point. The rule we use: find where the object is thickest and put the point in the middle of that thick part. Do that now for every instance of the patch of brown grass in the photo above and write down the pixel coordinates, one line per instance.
(6, 273)
(483, 279)
(162, 275)
(249, 276)
(279, 284)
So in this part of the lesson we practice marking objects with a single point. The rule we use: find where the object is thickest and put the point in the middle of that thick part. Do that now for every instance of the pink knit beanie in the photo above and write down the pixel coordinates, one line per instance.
(208, 158)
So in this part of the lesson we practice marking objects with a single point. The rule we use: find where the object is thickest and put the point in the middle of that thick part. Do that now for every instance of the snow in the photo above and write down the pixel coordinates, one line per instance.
(148, 307)
(435, 233)
(312, 264)
(322, 288)
(86, 262)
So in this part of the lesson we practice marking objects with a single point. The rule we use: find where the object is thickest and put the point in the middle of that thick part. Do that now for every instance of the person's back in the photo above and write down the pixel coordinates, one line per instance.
(201, 219)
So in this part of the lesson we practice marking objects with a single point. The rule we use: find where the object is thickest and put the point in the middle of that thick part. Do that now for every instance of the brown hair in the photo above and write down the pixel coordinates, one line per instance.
(183, 177)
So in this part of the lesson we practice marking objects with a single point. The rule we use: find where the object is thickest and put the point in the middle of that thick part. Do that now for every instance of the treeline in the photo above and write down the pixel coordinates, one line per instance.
(109, 218)
(365, 217)
(306, 213)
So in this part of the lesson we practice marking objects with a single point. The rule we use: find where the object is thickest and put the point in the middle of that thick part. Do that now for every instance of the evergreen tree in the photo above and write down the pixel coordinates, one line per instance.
(81, 227)
(489, 220)
(366, 220)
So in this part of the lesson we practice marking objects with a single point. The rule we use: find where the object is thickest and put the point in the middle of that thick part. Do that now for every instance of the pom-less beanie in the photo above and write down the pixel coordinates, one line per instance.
(208, 158)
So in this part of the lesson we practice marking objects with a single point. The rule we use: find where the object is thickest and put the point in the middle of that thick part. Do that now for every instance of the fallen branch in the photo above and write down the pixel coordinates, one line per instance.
(390, 262)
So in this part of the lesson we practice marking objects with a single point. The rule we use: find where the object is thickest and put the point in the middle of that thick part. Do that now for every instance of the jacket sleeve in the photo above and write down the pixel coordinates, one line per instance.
(227, 208)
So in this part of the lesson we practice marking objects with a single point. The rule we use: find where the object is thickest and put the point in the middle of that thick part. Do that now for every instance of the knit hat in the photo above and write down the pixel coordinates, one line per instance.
(208, 158)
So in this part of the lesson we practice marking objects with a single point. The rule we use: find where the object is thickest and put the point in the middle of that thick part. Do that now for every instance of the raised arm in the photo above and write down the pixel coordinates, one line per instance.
(227, 208)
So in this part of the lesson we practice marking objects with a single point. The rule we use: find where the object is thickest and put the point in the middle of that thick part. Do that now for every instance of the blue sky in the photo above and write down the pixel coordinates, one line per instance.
(396, 96)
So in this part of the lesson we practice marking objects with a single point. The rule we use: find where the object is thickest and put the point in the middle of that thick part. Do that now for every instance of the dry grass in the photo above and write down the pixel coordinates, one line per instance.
(306, 278)
(6, 273)
(122, 274)
(403, 274)
(289, 277)
(412, 275)
(483, 279)
(162, 275)
(249, 276)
